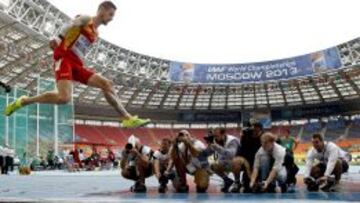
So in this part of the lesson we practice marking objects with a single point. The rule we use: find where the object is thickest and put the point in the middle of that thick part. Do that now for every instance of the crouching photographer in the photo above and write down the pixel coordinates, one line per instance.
(269, 172)
(226, 149)
(163, 167)
(332, 162)
(188, 158)
(136, 164)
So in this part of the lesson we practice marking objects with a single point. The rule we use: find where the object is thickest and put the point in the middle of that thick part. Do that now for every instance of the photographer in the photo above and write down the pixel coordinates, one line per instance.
(136, 164)
(2, 159)
(9, 155)
(269, 173)
(333, 162)
(226, 149)
(250, 144)
(162, 166)
(188, 158)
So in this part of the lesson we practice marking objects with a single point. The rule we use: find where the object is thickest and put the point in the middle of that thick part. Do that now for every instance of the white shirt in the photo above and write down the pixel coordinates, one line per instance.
(278, 154)
(329, 156)
(9, 152)
(2, 153)
(230, 148)
(197, 144)
(81, 156)
(145, 150)
(160, 156)
(12, 153)
(61, 160)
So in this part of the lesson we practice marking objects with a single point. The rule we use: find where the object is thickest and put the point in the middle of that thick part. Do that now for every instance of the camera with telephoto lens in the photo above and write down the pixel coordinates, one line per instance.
(131, 158)
(181, 134)
(311, 184)
(128, 148)
(209, 138)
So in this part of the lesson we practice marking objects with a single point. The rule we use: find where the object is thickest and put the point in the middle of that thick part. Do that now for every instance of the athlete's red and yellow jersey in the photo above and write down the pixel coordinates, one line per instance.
(78, 39)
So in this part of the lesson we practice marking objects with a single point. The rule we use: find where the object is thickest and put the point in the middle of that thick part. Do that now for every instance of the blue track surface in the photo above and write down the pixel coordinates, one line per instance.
(108, 186)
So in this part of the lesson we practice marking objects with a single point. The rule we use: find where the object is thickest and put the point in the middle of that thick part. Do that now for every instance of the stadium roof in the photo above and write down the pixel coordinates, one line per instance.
(143, 81)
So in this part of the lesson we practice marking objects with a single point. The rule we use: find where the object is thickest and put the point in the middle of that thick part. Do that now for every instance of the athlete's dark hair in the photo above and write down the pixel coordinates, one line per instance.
(318, 136)
(107, 5)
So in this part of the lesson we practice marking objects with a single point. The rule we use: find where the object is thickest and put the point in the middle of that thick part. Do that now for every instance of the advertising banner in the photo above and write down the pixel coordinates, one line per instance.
(309, 64)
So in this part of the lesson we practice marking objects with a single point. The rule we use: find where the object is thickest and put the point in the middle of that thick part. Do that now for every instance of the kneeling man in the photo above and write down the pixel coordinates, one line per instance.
(332, 162)
(269, 173)
(136, 163)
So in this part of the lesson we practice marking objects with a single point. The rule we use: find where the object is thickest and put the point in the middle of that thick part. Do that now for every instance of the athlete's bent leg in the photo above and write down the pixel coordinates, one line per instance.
(108, 90)
(106, 86)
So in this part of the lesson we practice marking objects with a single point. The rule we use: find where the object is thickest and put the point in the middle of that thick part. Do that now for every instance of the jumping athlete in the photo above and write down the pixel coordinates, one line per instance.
(70, 48)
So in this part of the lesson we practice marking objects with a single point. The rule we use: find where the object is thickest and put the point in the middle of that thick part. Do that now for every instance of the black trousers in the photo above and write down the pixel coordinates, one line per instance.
(2, 162)
(9, 165)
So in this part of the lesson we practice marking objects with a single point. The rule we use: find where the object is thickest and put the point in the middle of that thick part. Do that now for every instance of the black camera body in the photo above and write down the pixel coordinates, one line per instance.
(131, 158)
(177, 140)
(128, 148)
(312, 185)
(209, 138)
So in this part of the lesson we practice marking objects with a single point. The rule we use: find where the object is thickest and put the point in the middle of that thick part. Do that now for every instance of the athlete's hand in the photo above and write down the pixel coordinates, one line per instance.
(53, 44)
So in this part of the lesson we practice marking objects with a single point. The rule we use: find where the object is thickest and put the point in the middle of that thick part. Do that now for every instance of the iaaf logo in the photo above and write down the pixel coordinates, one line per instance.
(216, 69)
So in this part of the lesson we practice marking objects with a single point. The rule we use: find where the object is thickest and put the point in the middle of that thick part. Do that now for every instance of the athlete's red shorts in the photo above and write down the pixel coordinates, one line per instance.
(70, 67)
